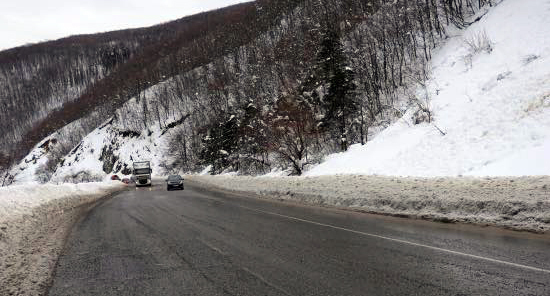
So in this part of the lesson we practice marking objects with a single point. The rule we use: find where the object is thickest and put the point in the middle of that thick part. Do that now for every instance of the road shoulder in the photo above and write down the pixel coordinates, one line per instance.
(32, 241)
(513, 203)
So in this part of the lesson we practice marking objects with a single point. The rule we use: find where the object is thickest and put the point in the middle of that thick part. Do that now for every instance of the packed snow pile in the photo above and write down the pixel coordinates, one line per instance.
(517, 203)
(489, 95)
(19, 200)
(34, 221)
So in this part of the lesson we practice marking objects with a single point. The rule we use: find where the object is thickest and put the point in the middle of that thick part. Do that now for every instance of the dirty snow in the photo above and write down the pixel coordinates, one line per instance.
(493, 106)
(517, 203)
(34, 221)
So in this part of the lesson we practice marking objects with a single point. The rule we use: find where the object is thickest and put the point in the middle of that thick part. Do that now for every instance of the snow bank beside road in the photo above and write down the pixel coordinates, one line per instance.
(520, 203)
(18, 200)
(34, 220)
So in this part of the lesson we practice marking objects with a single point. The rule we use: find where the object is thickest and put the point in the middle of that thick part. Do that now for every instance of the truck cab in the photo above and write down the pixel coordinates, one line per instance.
(141, 173)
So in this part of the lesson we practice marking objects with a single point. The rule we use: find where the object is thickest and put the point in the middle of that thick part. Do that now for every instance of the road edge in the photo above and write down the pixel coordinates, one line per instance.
(312, 199)
(36, 240)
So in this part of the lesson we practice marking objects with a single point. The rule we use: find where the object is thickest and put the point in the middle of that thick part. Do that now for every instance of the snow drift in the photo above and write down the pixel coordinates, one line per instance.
(489, 95)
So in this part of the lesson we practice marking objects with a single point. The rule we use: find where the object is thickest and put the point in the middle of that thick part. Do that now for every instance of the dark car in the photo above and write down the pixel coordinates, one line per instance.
(115, 177)
(174, 181)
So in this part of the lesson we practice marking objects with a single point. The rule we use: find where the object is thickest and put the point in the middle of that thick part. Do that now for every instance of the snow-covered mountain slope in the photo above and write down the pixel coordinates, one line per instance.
(491, 99)
(489, 95)
(111, 150)
(26, 170)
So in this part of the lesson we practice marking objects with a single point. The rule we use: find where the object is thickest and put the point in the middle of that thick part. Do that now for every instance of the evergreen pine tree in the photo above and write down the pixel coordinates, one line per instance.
(339, 103)
(219, 145)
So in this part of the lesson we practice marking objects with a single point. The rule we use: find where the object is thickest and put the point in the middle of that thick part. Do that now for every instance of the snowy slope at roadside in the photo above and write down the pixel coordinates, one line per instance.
(109, 149)
(34, 221)
(112, 149)
(494, 106)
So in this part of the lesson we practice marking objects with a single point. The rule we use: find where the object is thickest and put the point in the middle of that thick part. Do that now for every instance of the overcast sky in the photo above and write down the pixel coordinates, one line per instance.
(31, 21)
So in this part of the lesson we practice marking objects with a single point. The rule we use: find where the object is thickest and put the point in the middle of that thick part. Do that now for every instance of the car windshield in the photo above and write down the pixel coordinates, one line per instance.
(174, 178)
(141, 171)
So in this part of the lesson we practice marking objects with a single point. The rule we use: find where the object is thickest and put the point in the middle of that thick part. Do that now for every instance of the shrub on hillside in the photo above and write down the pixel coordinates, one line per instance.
(479, 42)
(82, 177)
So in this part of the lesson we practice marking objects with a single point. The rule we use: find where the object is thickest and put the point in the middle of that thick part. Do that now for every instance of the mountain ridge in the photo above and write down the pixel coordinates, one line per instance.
(276, 101)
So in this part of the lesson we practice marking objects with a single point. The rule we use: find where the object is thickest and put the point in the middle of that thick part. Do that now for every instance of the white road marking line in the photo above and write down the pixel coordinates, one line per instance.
(403, 241)
(262, 279)
(215, 249)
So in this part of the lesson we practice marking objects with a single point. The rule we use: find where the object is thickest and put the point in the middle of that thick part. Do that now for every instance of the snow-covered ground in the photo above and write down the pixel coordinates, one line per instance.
(18, 200)
(517, 203)
(110, 144)
(34, 221)
(493, 106)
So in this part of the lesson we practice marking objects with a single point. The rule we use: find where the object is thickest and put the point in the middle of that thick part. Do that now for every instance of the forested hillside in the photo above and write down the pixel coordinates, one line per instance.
(249, 88)
(47, 85)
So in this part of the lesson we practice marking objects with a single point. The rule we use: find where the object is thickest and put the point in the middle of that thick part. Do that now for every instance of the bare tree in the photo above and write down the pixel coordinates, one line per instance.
(293, 133)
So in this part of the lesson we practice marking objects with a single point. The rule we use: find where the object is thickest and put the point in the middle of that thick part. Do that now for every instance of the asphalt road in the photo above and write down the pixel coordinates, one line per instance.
(197, 242)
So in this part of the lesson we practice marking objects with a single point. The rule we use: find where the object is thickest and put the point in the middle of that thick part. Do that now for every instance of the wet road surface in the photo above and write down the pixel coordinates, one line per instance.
(149, 241)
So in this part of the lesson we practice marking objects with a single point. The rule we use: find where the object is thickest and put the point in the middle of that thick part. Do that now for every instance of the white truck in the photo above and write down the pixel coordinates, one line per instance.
(142, 173)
